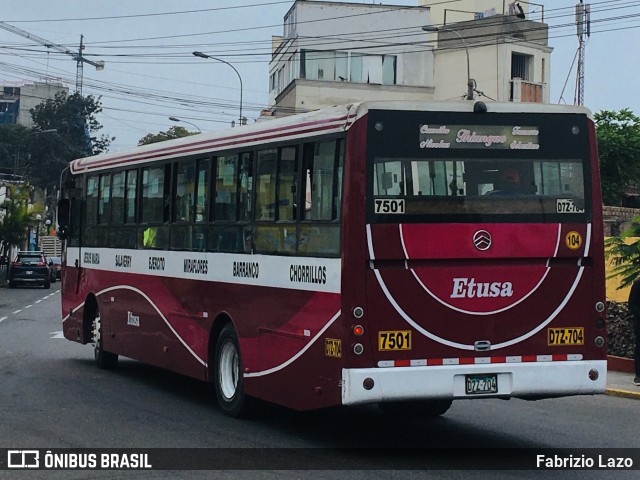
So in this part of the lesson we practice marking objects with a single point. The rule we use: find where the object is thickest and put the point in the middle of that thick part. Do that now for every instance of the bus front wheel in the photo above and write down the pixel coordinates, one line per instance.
(104, 360)
(228, 373)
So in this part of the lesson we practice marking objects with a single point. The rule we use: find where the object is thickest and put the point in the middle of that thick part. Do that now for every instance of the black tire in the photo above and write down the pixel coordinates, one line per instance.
(227, 376)
(104, 360)
(417, 408)
(47, 284)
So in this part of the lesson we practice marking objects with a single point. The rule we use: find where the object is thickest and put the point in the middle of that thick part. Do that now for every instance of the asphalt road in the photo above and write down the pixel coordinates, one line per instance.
(52, 396)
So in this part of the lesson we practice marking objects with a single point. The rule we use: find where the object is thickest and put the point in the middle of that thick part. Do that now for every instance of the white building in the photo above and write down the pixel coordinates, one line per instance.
(18, 98)
(509, 56)
(335, 53)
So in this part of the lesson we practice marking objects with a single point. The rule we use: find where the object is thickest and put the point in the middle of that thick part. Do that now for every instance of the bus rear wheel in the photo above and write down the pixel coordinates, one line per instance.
(417, 408)
(104, 360)
(228, 373)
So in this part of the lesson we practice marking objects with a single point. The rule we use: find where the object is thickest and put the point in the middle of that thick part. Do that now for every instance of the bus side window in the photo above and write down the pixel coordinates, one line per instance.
(322, 194)
(91, 212)
(233, 177)
(266, 185)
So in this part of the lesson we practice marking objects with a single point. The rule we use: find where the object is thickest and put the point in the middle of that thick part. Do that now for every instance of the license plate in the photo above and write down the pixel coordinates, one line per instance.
(565, 336)
(481, 384)
(566, 205)
(29, 272)
(394, 340)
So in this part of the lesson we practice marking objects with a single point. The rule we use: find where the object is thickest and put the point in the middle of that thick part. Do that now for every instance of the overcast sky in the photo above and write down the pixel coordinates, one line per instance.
(150, 73)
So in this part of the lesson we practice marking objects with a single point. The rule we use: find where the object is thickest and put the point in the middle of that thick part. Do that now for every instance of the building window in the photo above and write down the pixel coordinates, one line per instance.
(347, 66)
(521, 66)
(290, 24)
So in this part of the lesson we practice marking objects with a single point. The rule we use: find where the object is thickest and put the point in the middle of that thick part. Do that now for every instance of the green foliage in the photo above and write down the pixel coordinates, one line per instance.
(624, 254)
(74, 119)
(173, 132)
(11, 137)
(13, 227)
(618, 147)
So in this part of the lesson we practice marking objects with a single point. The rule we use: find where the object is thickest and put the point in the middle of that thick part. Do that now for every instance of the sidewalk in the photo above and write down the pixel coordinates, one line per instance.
(621, 385)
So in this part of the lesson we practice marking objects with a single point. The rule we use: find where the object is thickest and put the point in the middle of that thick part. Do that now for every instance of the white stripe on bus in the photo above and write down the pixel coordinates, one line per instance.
(297, 355)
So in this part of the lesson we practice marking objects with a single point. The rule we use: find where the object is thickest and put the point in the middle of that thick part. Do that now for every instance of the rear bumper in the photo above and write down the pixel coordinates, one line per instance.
(29, 278)
(520, 380)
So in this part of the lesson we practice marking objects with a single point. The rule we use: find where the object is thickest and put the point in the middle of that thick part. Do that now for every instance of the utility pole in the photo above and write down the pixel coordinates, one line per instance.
(583, 25)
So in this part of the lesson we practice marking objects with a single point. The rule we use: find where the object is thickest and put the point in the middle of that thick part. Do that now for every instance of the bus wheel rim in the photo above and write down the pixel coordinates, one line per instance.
(228, 370)
(96, 333)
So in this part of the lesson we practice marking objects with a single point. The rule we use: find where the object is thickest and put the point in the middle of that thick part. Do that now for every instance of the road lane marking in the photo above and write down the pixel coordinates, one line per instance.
(31, 305)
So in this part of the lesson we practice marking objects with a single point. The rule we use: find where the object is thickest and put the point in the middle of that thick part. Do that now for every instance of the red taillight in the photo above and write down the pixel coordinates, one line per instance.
(41, 264)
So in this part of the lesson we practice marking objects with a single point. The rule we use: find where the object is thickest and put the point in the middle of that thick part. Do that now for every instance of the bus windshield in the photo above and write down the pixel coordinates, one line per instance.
(418, 186)
(454, 167)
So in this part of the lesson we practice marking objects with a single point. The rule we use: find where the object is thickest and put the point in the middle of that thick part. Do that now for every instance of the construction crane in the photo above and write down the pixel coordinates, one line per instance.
(80, 60)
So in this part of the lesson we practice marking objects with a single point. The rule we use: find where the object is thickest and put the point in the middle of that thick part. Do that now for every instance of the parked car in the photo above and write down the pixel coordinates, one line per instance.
(55, 264)
(30, 268)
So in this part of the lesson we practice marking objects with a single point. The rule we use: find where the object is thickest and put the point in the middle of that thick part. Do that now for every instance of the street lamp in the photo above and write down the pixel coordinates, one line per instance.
(176, 119)
(38, 221)
(470, 81)
(204, 55)
(34, 132)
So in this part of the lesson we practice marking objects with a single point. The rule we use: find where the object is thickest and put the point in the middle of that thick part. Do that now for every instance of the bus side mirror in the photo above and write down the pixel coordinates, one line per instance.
(64, 217)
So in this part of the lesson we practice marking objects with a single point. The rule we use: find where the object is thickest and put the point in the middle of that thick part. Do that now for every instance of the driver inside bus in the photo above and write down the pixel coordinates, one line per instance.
(508, 183)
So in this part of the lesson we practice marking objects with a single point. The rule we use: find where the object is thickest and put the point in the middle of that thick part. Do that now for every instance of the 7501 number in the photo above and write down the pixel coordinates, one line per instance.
(389, 205)
(394, 340)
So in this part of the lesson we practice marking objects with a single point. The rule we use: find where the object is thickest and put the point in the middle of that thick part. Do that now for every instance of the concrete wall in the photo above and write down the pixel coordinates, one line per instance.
(306, 95)
(491, 43)
(463, 10)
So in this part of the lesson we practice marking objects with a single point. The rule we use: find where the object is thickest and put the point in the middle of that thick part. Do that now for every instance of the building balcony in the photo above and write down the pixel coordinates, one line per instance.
(524, 91)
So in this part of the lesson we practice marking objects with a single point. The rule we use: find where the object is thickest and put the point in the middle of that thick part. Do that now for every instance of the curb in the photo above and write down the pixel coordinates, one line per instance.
(622, 393)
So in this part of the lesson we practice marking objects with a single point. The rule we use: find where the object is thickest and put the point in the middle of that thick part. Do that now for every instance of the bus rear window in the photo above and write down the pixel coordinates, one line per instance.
(477, 187)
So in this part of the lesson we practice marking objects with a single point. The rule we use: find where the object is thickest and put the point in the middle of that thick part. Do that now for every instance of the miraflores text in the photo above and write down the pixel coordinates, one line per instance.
(582, 461)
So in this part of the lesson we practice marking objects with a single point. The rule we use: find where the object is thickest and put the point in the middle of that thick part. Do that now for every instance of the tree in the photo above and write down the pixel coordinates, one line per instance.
(618, 147)
(173, 132)
(624, 253)
(15, 219)
(12, 136)
(74, 119)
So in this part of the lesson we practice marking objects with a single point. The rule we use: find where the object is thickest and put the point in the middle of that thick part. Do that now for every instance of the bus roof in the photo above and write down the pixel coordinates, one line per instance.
(326, 121)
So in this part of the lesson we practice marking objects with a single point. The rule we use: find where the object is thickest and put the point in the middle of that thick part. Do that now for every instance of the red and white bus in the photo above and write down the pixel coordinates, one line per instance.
(400, 253)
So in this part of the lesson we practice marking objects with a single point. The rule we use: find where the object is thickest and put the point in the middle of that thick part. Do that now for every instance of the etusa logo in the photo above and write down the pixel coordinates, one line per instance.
(469, 288)
(482, 240)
